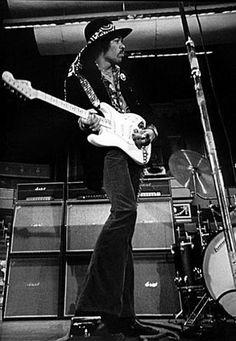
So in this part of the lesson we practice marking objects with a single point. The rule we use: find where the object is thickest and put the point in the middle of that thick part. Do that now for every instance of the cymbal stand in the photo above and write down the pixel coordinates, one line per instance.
(200, 228)
(193, 177)
(214, 217)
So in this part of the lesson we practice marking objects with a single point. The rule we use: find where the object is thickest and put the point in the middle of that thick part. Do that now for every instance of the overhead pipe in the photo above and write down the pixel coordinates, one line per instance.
(163, 32)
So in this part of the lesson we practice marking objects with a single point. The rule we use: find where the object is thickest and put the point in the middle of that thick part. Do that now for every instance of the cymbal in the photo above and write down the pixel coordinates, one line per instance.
(193, 171)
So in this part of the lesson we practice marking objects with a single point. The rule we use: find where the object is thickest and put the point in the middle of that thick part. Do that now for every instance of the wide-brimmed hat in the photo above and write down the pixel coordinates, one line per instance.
(99, 29)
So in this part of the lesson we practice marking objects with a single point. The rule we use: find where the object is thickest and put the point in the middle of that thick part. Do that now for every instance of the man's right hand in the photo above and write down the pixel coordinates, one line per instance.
(141, 137)
(92, 122)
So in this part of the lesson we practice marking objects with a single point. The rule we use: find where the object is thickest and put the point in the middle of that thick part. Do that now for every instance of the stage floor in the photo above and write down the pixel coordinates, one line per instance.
(51, 330)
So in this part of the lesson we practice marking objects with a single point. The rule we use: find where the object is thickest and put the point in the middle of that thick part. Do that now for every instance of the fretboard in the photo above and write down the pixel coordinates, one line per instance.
(69, 107)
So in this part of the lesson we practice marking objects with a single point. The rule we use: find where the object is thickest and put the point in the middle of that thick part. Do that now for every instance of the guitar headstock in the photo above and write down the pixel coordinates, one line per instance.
(19, 85)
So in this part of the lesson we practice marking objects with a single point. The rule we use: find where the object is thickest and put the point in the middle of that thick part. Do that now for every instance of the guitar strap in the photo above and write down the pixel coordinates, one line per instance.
(89, 91)
(75, 70)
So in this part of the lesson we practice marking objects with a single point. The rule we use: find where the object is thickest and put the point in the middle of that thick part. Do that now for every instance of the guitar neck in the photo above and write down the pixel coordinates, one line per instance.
(62, 104)
(68, 107)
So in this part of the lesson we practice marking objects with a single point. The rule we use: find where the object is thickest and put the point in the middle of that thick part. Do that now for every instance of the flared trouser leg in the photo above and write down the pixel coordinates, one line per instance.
(109, 284)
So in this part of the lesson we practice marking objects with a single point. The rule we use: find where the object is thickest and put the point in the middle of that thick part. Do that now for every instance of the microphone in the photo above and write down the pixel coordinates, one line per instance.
(189, 42)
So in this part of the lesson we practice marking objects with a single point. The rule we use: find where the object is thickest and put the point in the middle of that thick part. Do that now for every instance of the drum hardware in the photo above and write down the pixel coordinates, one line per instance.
(181, 234)
(204, 235)
(183, 281)
(187, 261)
(195, 299)
(191, 320)
(193, 305)
(193, 171)
(182, 251)
(214, 216)
(187, 256)
(217, 214)
(205, 230)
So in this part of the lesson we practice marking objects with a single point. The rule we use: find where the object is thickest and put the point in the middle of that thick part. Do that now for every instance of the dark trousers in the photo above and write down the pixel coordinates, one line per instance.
(109, 284)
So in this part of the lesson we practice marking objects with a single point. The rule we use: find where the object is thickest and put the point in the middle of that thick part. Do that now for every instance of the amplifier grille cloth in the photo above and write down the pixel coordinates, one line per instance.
(154, 227)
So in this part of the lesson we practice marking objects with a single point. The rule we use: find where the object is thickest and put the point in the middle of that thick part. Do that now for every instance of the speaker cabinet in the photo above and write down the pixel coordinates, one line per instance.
(32, 288)
(84, 223)
(76, 268)
(154, 228)
(37, 228)
(155, 290)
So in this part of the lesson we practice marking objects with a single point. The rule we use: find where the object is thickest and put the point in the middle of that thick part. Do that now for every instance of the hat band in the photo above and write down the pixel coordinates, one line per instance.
(101, 32)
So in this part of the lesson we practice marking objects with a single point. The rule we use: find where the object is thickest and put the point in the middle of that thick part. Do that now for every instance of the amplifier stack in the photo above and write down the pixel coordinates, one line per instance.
(34, 254)
(54, 231)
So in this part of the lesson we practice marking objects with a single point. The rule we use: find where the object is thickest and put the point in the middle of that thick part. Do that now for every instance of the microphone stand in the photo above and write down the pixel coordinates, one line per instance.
(210, 145)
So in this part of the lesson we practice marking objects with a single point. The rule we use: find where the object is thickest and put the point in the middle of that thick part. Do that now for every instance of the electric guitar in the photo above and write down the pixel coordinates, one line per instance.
(116, 129)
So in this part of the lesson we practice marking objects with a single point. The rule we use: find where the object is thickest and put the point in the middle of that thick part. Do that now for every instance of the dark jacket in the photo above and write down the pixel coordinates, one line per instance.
(92, 156)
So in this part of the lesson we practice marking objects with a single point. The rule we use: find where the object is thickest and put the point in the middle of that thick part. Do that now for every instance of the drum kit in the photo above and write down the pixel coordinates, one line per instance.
(203, 269)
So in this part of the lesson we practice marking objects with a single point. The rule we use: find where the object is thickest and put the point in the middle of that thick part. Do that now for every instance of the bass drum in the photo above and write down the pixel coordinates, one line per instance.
(218, 274)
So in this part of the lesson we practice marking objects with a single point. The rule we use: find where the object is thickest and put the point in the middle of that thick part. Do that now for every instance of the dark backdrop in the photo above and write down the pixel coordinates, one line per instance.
(35, 132)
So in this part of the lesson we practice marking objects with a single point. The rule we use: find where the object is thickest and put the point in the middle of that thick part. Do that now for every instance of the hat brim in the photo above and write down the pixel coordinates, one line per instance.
(89, 48)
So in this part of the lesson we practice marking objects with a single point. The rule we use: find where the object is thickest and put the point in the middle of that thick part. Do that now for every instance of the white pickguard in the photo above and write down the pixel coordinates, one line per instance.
(119, 134)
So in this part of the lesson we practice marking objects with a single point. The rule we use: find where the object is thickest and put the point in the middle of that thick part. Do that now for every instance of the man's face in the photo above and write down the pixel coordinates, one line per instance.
(116, 51)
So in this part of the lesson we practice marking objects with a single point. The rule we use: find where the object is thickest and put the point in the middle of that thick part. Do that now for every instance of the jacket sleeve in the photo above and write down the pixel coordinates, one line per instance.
(91, 156)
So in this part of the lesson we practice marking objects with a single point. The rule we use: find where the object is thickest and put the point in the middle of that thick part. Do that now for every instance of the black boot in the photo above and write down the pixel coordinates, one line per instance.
(133, 328)
(87, 327)
(112, 322)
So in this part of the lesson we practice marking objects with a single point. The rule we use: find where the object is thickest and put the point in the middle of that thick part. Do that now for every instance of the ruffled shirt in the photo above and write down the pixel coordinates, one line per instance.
(112, 85)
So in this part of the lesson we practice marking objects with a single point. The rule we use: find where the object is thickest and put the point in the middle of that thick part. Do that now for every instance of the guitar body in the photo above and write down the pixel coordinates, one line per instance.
(119, 134)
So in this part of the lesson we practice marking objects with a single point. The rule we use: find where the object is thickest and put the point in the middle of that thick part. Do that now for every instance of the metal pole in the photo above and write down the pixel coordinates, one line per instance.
(210, 145)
